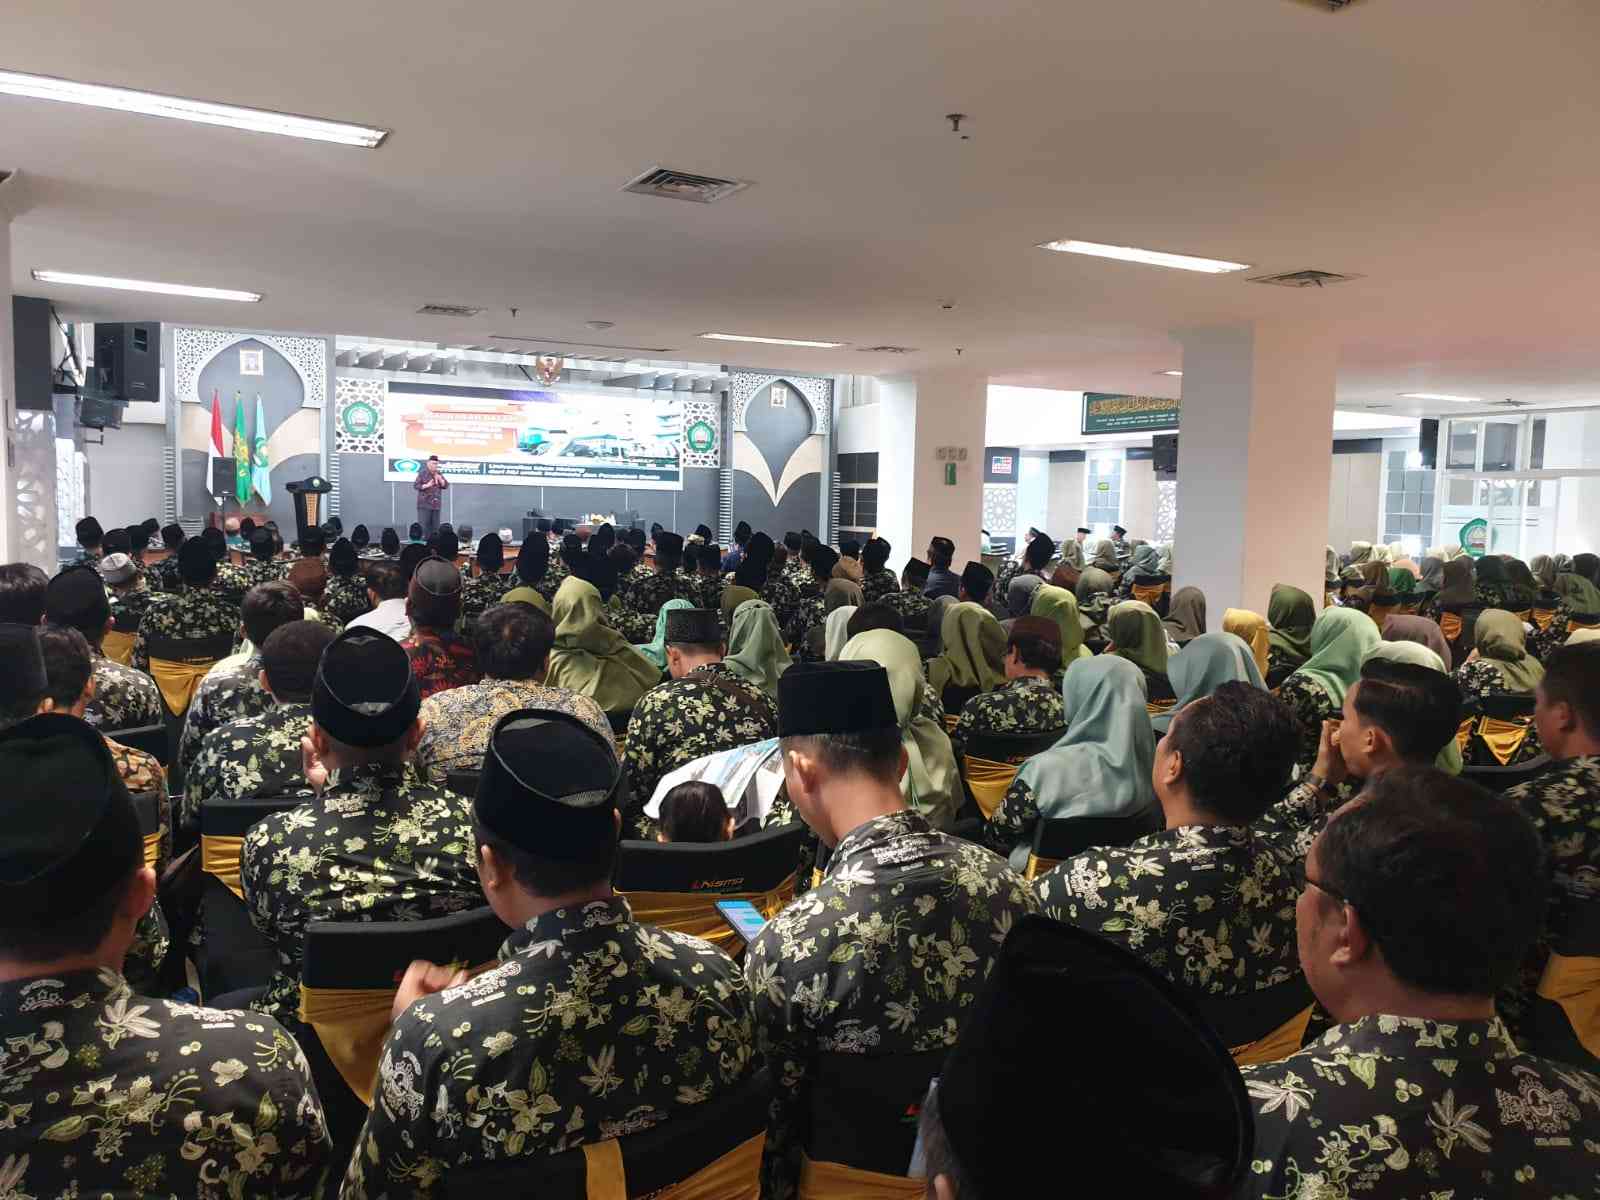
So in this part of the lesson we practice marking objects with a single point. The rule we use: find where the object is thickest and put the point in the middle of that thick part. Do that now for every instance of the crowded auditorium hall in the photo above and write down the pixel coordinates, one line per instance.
(1069, 662)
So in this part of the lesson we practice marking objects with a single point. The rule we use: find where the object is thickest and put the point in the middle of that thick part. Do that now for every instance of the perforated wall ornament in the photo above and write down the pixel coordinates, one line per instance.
(818, 395)
(192, 349)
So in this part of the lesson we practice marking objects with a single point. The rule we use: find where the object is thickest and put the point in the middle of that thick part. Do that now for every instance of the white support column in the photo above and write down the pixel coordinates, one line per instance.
(1254, 462)
(9, 186)
(915, 504)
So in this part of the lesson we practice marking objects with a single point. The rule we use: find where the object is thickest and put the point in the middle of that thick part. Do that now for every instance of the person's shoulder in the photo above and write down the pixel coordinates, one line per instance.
(132, 762)
(709, 961)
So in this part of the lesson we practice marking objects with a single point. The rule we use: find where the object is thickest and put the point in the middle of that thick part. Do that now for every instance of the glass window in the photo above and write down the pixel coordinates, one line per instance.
(1459, 493)
(1397, 460)
(1536, 445)
(1499, 446)
(1413, 483)
(1463, 453)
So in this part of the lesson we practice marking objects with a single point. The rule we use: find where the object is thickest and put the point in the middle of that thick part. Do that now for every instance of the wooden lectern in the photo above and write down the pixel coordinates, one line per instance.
(308, 495)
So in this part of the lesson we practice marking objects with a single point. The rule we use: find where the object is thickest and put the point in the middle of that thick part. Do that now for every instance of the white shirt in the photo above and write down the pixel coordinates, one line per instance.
(389, 617)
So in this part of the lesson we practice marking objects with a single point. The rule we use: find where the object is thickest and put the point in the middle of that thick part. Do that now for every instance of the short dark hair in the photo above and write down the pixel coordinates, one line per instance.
(793, 540)
(551, 876)
(513, 641)
(172, 536)
(1036, 653)
(636, 540)
(874, 554)
(875, 616)
(268, 605)
(22, 588)
(691, 556)
(850, 548)
(623, 558)
(941, 552)
(1572, 676)
(1238, 745)
(68, 664)
(30, 940)
(290, 656)
(1417, 707)
(386, 579)
(875, 752)
(694, 812)
(1448, 879)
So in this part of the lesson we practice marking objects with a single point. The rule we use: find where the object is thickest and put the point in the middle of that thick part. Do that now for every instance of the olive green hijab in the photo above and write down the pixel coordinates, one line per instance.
(1290, 613)
(1580, 594)
(1061, 606)
(974, 650)
(1502, 644)
(1093, 582)
(1340, 641)
(1105, 556)
(1186, 615)
(1136, 632)
(590, 658)
(756, 652)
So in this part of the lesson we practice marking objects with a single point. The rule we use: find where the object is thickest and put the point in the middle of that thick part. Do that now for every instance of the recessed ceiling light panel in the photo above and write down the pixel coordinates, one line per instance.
(1174, 374)
(772, 341)
(1154, 258)
(1441, 396)
(146, 285)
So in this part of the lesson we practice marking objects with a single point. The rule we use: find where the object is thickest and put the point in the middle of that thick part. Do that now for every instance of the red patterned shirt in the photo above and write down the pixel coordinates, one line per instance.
(440, 661)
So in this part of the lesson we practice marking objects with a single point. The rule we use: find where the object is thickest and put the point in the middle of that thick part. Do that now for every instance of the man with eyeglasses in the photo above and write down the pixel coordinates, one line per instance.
(1419, 899)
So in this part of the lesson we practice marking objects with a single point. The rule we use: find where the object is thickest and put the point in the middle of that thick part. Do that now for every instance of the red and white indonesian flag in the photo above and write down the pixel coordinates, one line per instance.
(214, 451)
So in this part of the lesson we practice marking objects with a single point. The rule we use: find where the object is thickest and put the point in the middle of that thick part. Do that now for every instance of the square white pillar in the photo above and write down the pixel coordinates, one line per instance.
(1254, 462)
(919, 415)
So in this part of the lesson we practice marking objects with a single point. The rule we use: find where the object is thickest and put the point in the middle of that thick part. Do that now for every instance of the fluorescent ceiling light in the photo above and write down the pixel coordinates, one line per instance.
(1441, 396)
(146, 285)
(1154, 258)
(769, 341)
(1174, 374)
(153, 104)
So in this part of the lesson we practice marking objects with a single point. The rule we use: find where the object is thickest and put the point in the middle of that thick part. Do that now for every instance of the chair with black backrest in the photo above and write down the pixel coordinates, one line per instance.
(179, 664)
(152, 739)
(352, 969)
(863, 1117)
(676, 884)
(1062, 837)
(1577, 621)
(147, 807)
(1497, 729)
(232, 955)
(1154, 590)
(462, 783)
(1499, 779)
(990, 760)
(1563, 1019)
(1262, 1026)
(712, 1151)
(619, 728)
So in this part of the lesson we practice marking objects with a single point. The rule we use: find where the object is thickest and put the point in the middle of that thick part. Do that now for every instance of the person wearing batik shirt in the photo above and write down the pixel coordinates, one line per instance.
(909, 601)
(1419, 899)
(198, 613)
(345, 597)
(1500, 665)
(806, 599)
(440, 658)
(877, 581)
(230, 580)
(702, 709)
(488, 586)
(107, 1091)
(1035, 556)
(557, 566)
(1030, 701)
(123, 698)
(163, 576)
(887, 954)
(130, 597)
(262, 565)
(646, 596)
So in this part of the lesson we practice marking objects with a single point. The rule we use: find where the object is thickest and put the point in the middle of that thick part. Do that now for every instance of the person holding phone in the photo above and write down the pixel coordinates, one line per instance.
(430, 487)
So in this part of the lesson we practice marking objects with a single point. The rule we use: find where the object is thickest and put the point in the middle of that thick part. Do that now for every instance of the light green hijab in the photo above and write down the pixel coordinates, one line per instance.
(1580, 594)
(526, 595)
(1291, 614)
(1502, 644)
(756, 652)
(974, 650)
(1101, 766)
(656, 650)
(1340, 640)
(592, 659)
(1061, 606)
(1204, 665)
(1136, 632)
(1416, 654)
(931, 784)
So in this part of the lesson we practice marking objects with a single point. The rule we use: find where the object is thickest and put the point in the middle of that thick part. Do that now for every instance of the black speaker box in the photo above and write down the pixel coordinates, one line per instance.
(1428, 443)
(30, 324)
(127, 361)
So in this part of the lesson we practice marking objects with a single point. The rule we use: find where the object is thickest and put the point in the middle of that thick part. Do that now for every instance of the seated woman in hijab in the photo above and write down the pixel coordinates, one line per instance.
(1340, 640)
(1252, 629)
(1371, 578)
(1137, 635)
(593, 659)
(656, 649)
(971, 659)
(1551, 610)
(1204, 665)
(1143, 568)
(1061, 606)
(1422, 632)
(1017, 578)
(838, 594)
(1094, 594)
(1360, 552)
(1499, 665)
(1100, 767)
(1401, 589)
(1431, 579)
(1522, 590)
(756, 652)
(1186, 616)
(1330, 577)
(1491, 586)
(1456, 588)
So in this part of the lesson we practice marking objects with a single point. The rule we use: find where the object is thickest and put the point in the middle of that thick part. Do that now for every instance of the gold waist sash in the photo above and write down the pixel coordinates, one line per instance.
(152, 848)
(1574, 984)
(179, 680)
(989, 780)
(1504, 738)
(695, 913)
(1150, 594)
(1279, 1044)
(1450, 625)
(1542, 618)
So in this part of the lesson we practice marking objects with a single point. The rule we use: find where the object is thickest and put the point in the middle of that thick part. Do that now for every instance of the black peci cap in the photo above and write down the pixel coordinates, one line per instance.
(670, 544)
(197, 561)
(364, 693)
(491, 552)
(343, 559)
(77, 597)
(834, 697)
(549, 785)
(437, 577)
(977, 579)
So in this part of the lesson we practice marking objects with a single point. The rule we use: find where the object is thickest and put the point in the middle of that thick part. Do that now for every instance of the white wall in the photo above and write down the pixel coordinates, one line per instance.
(125, 474)
(1139, 498)
(1033, 492)
(856, 430)
(1065, 511)
(1354, 499)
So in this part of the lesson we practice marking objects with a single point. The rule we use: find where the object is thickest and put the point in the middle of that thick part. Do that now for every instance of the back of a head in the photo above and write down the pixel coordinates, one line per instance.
(793, 540)
(172, 536)
(623, 558)
(216, 540)
(343, 559)
(76, 598)
(68, 664)
(636, 541)
(138, 539)
(513, 641)
(742, 533)
(387, 580)
(850, 548)
(875, 616)
(874, 554)
(1238, 745)
(290, 656)
(1039, 552)
(389, 541)
(1418, 708)
(88, 533)
(314, 544)
(1572, 676)
(116, 541)
(533, 559)
(710, 559)
(463, 534)
(976, 581)
(841, 714)
(691, 557)
(360, 537)
(309, 577)
(267, 606)
(571, 548)
(915, 572)
(1037, 641)
(411, 557)
(491, 554)
(445, 543)
(942, 552)
(434, 598)
(694, 812)
(415, 532)
(22, 589)
(1447, 878)
(262, 545)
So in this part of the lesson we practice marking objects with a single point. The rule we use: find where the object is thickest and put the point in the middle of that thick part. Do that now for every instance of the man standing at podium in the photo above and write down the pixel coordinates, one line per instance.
(430, 484)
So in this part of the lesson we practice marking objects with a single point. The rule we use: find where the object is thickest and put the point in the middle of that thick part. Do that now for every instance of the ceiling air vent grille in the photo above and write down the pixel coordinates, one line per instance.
(1509, 404)
(1303, 279)
(449, 310)
(886, 350)
(684, 185)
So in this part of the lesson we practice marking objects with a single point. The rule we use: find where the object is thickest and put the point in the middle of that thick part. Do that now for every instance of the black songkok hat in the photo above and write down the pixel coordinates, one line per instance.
(77, 597)
(22, 674)
(1060, 1001)
(411, 557)
(834, 697)
(560, 525)
(364, 693)
(491, 552)
(916, 568)
(138, 538)
(741, 532)
(670, 544)
(543, 524)
(197, 561)
(89, 532)
(389, 540)
(694, 626)
(977, 579)
(437, 577)
(760, 548)
(549, 785)
(598, 570)
(822, 558)
(571, 549)
(116, 541)
(360, 537)
(446, 544)
(1040, 551)
(603, 539)
(1119, 531)
(71, 833)
(343, 559)
(703, 532)
(262, 545)
(1084, 529)
(533, 559)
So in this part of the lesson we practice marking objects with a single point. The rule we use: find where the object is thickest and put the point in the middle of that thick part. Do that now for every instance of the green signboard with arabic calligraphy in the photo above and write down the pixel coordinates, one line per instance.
(1112, 412)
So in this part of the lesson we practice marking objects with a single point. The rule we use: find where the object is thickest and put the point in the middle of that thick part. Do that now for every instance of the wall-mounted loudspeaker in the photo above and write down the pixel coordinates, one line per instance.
(127, 361)
(1428, 443)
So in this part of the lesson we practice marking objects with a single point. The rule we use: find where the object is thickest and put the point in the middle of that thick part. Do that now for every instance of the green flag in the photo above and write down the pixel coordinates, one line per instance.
(261, 476)
(241, 452)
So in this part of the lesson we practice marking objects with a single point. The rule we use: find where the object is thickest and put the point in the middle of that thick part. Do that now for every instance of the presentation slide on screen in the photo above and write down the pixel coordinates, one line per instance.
(492, 435)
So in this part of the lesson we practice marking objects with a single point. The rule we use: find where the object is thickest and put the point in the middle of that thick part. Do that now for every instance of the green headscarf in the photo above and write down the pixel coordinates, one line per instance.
(592, 659)
(1290, 613)
(1061, 606)
(1580, 594)
(931, 784)
(1415, 653)
(1360, 552)
(1136, 632)
(1204, 665)
(1502, 644)
(1145, 561)
(1105, 556)
(756, 652)
(1401, 581)
(735, 596)
(974, 651)
(656, 650)
(526, 595)
(1340, 640)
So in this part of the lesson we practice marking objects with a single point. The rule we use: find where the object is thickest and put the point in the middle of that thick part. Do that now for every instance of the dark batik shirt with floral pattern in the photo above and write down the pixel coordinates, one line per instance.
(1311, 706)
(807, 612)
(482, 593)
(152, 936)
(875, 585)
(230, 691)
(883, 957)
(1478, 679)
(233, 583)
(255, 571)
(163, 576)
(190, 615)
(254, 758)
(782, 593)
(913, 609)
(647, 595)
(593, 1027)
(1402, 1108)
(106, 1092)
(456, 724)
(709, 709)
(1025, 705)
(441, 660)
(124, 698)
(378, 845)
(128, 608)
(345, 599)
(555, 574)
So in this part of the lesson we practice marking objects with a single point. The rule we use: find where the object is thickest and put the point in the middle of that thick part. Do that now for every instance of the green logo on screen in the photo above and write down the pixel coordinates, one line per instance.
(1475, 537)
(360, 419)
(405, 464)
(700, 437)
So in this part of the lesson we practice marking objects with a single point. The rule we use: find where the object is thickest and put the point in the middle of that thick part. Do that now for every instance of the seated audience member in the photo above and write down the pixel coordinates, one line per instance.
(22, 589)
(230, 580)
(123, 1093)
(750, 578)
(386, 593)
(694, 812)
(590, 657)
(440, 658)
(163, 575)
(201, 610)
(647, 595)
(309, 577)
(1209, 899)
(971, 661)
(1396, 714)
(807, 597)
(1186, 615)
(1419, 631)
(446, 545)
(1028, 566)
(513, 645)
(232, 689)
(1420, 898)
(942, 581)
(1094, 591)
(877, 581)
(1059, 605)
(756, 653)
(1137, 635)
(414, 534)
(262, 565)
(1341, 639)
(1028, 701)
(977, 581)
(89, 535)
(874, 616)
(488, 586)
(894, 890)
(259, 756)
(123, 698)
(558, 559)
(389, 542)
(849, 565)
(130, 594)
(1099, 768)
(361, 538)
(910, 601)
(345, 597)
(710, 577)
(544, 824)
(528, 574)
(703, 708)
(1500, 665)
(742, 534)
(411, 557)
(1201, 667)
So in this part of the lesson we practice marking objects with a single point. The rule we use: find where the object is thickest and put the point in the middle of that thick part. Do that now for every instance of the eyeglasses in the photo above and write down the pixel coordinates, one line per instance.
(1297, 873)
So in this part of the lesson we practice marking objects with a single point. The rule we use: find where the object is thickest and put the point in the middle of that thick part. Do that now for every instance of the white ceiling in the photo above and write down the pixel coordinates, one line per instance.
(1442, 149)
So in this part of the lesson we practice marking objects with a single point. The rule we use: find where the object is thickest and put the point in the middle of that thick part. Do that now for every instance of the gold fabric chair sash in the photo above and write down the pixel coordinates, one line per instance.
(1504, 738)
(1038, 866)
(989, 780)
(118, 647)
(828, 1181)
(734, 1176)
(219, 856)
(152, 848)
(1156, 707)
(1464, 734)
(1574, 984)
(1279, 1044)
(352, 1023)
(178, 680)
(695, 913)
(1150, 594)
(1542, 618)
(1450, 625)
(950, 720)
